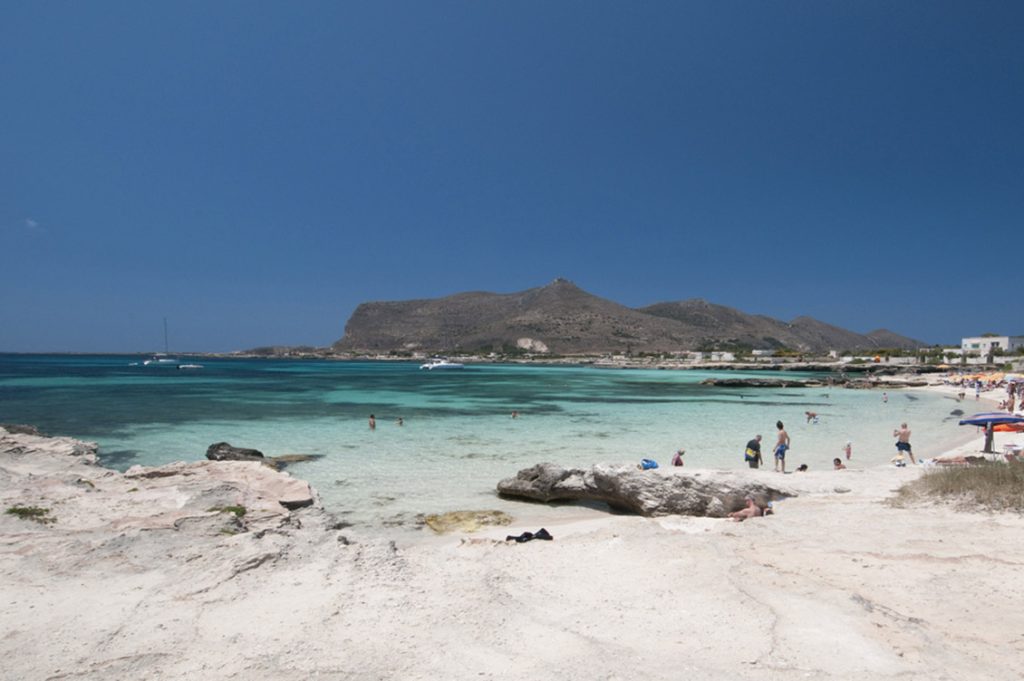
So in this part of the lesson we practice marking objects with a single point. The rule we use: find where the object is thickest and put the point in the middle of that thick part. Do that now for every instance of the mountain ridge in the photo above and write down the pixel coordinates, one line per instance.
(565, 319)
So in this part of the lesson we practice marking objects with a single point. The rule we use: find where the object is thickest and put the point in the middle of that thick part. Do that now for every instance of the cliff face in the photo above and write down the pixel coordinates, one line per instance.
(562, 318)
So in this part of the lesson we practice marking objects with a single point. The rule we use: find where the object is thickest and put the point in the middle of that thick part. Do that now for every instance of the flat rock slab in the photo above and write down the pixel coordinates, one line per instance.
(61, 474)
(654, 492)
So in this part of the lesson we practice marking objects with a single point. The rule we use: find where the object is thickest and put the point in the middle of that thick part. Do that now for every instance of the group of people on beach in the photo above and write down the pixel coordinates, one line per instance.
(752, 452)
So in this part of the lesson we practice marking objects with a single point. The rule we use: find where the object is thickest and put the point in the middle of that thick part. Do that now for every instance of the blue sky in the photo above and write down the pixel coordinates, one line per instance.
(252, 171)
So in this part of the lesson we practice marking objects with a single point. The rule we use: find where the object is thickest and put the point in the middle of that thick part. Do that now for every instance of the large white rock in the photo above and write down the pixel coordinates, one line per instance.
(531, 345)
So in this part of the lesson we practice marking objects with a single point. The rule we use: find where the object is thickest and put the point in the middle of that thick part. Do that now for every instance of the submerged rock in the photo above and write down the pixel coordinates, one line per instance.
(649, 493)
(465, 521)
(280, 462)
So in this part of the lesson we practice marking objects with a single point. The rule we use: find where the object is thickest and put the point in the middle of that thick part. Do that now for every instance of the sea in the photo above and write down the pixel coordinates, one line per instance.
(457, 437)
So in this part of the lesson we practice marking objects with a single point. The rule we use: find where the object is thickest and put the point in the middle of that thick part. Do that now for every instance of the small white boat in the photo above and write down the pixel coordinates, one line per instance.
(190, 366)
(441, 363)
(162, 361)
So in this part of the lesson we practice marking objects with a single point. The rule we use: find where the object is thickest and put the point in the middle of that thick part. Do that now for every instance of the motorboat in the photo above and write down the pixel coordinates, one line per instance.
(190, 366)
(441, 363)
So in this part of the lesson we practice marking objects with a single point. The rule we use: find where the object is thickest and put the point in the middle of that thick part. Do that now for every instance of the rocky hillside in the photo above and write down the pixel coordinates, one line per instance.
(564, 319)
(559, 318)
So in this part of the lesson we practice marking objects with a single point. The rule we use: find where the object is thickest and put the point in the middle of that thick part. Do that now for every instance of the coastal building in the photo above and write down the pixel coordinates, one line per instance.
(983, 345)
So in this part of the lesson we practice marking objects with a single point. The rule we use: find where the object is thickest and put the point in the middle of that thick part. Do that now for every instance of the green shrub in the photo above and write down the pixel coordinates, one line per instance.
(239, 511)
(39, 515)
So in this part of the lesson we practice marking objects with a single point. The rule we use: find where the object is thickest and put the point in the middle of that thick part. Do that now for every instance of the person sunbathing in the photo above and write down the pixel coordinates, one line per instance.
(752, 510)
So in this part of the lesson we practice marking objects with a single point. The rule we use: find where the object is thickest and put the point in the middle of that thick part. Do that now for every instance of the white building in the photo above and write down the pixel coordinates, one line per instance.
(982, 345)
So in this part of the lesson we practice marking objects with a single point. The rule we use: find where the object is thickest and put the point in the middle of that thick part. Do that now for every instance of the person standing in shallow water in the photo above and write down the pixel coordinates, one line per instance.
(373, 422)
(781, 445)
(752, 454)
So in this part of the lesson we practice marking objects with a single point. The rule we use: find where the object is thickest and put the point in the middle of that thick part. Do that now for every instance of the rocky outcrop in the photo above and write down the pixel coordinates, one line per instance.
(655, 492)
(61, 474)
(222, 451)
(19, 429)
(761, 383)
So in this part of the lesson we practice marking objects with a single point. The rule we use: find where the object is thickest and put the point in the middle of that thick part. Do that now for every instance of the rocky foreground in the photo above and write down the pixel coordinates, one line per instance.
(231, 570)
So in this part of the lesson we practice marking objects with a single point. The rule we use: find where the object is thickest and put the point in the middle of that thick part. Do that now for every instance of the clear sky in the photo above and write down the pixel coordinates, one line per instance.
(252, 171)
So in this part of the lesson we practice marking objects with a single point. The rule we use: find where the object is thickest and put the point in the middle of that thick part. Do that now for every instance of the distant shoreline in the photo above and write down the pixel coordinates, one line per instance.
(596, 360)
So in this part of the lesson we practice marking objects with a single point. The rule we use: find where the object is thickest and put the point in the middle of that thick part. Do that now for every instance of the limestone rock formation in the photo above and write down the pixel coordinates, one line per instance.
(61, 474)
(655, 492)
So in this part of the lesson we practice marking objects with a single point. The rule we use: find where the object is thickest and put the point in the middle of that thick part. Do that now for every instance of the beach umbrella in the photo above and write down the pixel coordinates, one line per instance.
(992, 418)
(989, 420)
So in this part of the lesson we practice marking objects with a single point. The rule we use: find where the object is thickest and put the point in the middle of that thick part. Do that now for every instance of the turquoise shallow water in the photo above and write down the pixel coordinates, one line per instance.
(458, 439)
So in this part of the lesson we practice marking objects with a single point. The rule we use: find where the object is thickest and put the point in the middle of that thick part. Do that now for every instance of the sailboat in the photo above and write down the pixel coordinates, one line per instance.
(163, 359)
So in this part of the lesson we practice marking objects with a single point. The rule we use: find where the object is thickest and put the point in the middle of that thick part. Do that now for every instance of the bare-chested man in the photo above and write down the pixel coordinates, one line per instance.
(752, 510)
(902, 435)
(781, 445)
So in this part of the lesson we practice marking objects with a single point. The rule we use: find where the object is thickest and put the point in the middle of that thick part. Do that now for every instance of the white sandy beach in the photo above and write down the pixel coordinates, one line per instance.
(837, 585)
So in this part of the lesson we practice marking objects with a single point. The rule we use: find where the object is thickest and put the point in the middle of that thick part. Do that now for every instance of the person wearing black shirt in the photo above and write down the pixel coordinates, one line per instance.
(752, 455)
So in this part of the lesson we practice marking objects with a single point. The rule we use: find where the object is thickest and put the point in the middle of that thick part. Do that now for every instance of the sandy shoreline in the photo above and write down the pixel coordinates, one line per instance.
(837, 585)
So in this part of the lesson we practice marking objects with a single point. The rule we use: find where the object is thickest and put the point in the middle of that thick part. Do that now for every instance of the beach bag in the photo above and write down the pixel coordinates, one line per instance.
(749, 455)
(648, 464)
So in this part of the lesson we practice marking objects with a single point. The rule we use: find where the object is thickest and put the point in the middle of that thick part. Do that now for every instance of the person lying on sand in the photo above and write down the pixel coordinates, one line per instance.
(751, 511)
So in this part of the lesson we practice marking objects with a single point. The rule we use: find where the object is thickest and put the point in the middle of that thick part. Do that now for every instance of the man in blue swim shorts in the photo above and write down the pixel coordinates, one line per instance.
(781, 445)
(902, 435)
